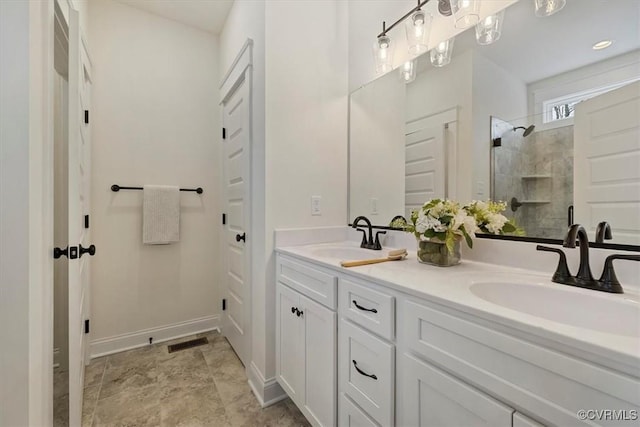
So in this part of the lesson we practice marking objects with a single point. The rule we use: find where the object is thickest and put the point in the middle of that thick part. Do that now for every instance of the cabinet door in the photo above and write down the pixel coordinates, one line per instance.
(521, 420)
(431, 397)
(289, 343)
(320, 354)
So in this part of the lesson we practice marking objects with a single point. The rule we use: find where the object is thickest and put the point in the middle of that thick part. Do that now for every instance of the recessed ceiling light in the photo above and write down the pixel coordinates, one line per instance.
(602, 44)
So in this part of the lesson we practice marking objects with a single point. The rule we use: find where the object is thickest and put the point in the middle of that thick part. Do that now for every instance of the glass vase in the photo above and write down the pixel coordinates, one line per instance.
(435, 252)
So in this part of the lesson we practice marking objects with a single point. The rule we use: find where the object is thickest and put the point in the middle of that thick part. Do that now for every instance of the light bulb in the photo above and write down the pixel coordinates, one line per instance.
(417, 28)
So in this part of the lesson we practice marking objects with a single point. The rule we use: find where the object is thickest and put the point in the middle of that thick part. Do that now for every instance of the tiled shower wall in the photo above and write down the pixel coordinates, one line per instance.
(538, 171)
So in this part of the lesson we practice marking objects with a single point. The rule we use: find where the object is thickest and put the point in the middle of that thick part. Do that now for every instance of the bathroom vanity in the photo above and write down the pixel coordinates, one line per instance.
(402, 343)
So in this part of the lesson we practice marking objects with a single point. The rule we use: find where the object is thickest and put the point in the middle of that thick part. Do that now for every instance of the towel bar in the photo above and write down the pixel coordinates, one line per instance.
(116, 187)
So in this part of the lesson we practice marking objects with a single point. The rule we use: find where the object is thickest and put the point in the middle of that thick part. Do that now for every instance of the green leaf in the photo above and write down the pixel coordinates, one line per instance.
(508, 228)
(467, 238)
(429, 233)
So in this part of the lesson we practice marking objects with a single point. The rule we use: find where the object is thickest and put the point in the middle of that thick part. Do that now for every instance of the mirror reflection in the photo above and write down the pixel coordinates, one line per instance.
(542, 118)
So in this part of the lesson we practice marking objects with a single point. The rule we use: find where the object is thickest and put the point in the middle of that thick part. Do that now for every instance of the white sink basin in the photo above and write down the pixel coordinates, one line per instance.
(612, 314)
(343, 253)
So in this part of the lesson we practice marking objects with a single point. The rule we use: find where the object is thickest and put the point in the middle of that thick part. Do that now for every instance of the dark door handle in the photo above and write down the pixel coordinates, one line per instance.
(91, 250)
(241, 237)
(59, 252)
(359, 307)
(355, 365)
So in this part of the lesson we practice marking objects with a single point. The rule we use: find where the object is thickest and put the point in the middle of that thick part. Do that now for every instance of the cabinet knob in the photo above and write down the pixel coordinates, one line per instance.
(293, 310)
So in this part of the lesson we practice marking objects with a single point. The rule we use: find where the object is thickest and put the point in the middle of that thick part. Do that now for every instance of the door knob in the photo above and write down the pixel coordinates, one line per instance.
(91, 250)
(59, 252)
(241, 237)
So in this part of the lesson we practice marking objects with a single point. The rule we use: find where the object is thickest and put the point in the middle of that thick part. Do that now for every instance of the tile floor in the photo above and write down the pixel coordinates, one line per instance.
(201, 386)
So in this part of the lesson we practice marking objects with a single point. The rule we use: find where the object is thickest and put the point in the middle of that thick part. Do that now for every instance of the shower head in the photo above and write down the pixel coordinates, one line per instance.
(527, 131)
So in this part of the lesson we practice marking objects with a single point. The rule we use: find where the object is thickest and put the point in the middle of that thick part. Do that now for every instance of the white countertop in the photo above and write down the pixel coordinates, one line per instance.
(450, 286)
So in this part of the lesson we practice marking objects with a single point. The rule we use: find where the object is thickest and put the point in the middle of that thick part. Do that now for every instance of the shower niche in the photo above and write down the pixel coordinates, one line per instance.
(532, 170)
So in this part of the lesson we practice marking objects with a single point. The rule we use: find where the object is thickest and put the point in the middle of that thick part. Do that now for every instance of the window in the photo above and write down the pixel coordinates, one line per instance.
(564, 107)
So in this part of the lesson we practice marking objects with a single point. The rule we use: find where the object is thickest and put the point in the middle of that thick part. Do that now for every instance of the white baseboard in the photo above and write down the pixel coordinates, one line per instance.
(118, 343)
(267, 391)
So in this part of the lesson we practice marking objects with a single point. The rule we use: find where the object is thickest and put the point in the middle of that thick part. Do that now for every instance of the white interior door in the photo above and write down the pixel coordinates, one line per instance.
(236, 164)
(607, 163)
(425, 171)
(79, 151)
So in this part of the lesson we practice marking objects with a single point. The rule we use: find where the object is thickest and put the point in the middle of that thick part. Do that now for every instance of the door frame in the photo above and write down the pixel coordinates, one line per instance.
(26, 136)
(241, 70)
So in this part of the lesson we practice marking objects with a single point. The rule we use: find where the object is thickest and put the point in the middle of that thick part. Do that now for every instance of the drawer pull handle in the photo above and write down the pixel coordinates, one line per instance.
(355, 365)
(359, 307)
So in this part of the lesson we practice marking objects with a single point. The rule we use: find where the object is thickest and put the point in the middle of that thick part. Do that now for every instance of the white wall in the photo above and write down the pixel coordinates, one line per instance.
(26, 211)
(155, 120)
(495, 92)
(306, 126)
(377, 149)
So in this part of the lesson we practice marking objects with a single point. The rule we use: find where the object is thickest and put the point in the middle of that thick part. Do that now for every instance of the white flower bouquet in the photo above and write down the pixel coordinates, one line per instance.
(443, 221)
(489, 218)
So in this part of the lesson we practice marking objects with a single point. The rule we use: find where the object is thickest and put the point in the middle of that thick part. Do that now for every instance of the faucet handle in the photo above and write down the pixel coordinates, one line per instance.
(562, 274)
(364, 242)
(377, 246)
(608, 281)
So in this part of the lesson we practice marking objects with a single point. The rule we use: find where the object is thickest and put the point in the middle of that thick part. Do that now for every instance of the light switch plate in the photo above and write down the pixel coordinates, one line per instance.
(373, 203)
(315, 205)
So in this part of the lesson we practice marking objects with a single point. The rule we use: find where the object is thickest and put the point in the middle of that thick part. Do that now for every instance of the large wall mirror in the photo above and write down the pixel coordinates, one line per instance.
(541, 119)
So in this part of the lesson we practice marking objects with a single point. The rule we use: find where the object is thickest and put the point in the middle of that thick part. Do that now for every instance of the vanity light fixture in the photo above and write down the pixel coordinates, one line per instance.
(417, 37)
(418, 27)
(408, 71)
(490, 28)
(383, 52)
(549, 7)
(441, 54)
(466, 13)
(603, 44)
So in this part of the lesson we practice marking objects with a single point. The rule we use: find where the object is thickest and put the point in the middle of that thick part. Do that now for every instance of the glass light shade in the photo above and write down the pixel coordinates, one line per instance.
(490, 28)
(408, 71)
(383, 54)
(418, 27)
(441, 54)
(466, 13)
(549, 7)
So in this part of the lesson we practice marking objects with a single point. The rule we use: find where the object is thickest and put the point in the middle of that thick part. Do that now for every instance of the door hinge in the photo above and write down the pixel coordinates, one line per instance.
(224, 219)
(86, 221)
(86, 326)
(73, 252)
(86, 117)
(224, 304)
(224, 133)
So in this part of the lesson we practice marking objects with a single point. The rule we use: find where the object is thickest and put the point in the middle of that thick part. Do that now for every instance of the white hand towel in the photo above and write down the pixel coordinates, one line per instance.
(160, 214)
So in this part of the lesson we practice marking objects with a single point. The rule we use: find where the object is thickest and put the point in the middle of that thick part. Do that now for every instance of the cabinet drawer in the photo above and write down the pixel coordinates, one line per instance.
(544, 381)
(353, 416)
(367, 307)
(432, 397)
(366, 371)
(308, 280)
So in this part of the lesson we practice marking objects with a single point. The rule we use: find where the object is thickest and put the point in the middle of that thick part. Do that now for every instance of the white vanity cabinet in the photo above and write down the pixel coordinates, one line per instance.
(408, 358)
(306, 339)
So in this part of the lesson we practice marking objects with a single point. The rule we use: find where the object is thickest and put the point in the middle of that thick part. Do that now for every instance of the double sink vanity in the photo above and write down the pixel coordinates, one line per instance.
(402, 343)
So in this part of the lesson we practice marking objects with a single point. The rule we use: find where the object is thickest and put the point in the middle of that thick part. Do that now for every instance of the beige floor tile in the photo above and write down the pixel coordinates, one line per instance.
(93, 373)
(139, 408)
(90, 400)
(200, 386)
(195, 406)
